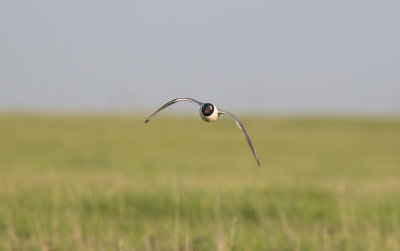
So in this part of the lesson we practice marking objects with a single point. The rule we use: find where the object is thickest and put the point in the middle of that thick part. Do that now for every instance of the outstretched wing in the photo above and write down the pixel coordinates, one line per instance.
(240, 125)
(170, 103)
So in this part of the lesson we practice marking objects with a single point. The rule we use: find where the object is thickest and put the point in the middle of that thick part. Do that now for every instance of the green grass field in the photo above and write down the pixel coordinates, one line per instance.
(113, 183)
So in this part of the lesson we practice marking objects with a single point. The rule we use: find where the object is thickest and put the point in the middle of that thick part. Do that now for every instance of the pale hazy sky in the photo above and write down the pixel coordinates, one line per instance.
(273, 56)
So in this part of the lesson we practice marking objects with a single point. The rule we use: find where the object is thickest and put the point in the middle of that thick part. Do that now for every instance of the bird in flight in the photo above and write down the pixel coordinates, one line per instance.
(209, 113)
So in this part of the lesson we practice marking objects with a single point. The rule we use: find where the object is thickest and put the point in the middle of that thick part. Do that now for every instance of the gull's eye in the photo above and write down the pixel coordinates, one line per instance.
(207, 109)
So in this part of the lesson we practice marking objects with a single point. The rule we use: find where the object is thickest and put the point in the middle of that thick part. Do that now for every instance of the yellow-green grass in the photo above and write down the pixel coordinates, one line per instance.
(113, 183)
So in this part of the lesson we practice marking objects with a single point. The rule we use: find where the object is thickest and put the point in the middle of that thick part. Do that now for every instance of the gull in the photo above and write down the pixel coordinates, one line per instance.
(209, 113)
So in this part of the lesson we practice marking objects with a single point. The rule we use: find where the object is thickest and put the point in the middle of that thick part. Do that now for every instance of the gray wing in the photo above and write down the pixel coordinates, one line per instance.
(170, 103)
(240, 125)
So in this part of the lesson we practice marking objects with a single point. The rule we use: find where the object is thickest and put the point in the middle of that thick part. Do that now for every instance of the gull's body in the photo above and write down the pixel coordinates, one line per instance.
(210, 113)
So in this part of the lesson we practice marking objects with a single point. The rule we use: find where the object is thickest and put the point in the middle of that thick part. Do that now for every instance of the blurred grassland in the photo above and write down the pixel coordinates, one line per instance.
(113, 183)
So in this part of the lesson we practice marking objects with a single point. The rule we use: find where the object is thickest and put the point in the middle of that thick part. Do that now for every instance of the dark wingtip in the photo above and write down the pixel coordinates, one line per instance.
(146, 121)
